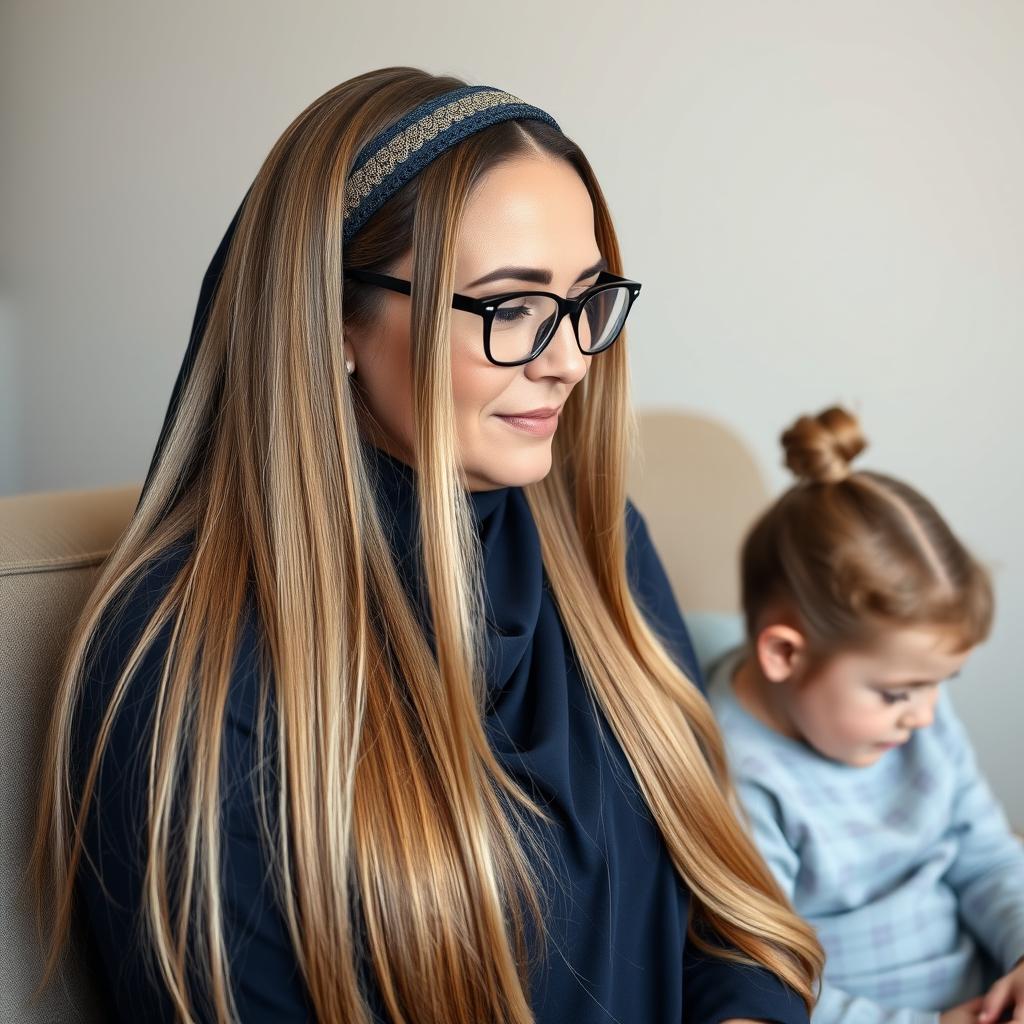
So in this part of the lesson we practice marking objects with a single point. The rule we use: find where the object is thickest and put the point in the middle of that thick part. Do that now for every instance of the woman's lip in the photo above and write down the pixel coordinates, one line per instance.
(533, 423)
(531, 414)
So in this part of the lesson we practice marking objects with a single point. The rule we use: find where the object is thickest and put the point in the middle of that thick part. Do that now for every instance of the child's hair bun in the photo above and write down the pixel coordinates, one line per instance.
(819, 449)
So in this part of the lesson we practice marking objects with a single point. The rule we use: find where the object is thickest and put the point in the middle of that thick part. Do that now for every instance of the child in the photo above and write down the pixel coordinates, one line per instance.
(858, 780)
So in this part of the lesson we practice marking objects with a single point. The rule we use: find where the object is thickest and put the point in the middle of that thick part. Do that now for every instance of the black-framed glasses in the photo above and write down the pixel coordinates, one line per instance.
(519, 325)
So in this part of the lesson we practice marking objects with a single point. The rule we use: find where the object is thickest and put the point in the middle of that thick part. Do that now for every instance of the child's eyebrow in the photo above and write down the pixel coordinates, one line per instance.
(917, 683)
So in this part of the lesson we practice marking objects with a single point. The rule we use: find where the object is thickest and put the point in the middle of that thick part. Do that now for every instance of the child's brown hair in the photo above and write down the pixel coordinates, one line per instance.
(853, 553)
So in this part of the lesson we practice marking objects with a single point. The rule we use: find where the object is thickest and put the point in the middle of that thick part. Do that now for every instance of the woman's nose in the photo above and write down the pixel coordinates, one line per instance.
(562, 358)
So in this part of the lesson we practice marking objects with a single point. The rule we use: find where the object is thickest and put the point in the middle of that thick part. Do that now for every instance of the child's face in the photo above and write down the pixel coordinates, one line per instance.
(858, 705)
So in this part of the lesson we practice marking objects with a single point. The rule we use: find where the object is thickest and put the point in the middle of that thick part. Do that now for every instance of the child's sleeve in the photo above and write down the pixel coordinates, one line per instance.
(988, 872)
(834, 1006)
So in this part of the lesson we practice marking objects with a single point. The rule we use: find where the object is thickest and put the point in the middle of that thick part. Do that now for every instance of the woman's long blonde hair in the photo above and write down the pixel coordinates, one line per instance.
(400, 833)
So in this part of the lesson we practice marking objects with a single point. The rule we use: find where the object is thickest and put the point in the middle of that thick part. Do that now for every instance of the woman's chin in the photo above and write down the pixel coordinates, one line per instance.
(510, 465)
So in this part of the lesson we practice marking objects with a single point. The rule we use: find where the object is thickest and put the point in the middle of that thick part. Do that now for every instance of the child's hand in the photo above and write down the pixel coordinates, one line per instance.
(1007, 992)
(965, 1013)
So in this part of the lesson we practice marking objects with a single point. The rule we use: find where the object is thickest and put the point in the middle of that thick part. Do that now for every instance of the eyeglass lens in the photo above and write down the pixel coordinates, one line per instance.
(523, 325)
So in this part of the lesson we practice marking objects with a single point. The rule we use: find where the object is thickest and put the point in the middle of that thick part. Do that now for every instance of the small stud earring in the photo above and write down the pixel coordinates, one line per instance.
(350, 366)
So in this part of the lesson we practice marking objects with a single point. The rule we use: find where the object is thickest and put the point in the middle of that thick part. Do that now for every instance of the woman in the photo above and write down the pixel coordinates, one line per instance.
(382, 708)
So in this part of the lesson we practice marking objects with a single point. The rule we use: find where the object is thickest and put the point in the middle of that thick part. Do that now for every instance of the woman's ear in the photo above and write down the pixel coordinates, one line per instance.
(781, 651)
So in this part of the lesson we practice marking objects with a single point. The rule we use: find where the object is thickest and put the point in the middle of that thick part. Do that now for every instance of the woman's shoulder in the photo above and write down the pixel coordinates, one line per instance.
(117, 637)
(130, 610)
(128, 736)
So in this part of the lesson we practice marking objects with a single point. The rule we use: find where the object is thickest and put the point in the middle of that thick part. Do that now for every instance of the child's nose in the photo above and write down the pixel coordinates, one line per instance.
(920, 715)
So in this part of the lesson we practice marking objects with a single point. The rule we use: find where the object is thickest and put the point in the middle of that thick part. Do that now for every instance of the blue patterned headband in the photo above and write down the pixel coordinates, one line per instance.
(400, 152)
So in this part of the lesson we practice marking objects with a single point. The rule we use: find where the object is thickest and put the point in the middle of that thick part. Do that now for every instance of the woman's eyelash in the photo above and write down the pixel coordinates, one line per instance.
(511, 314)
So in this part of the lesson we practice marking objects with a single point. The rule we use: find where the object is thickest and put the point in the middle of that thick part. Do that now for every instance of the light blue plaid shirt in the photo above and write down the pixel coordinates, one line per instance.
(907, 869)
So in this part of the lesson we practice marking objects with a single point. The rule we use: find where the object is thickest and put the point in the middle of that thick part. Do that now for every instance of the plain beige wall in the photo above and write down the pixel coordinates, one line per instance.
(823, 200)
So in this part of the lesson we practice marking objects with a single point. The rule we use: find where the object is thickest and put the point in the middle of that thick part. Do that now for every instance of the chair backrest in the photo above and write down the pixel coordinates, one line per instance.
(700, 489)
(696, 484)
(51, 545)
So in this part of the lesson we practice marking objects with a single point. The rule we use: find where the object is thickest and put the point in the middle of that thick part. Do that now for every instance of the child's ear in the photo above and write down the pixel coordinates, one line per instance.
(780, 652)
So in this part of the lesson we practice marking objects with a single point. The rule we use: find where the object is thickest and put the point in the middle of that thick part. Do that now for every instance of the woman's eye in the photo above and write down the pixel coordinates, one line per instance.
(510, 314)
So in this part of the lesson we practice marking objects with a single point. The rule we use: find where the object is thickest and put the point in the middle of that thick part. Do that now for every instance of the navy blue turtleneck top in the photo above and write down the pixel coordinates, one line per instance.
(617, 918)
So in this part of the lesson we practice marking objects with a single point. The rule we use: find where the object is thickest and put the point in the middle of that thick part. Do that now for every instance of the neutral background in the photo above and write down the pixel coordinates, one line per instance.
(824, 202)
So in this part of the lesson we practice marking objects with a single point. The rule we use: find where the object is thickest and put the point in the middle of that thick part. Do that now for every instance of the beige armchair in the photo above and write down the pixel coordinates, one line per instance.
(50, 548)
(696, 484)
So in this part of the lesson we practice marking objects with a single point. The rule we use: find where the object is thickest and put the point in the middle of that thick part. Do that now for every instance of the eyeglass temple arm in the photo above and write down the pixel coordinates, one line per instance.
(382, 280)
(464, 302)
(405, 287)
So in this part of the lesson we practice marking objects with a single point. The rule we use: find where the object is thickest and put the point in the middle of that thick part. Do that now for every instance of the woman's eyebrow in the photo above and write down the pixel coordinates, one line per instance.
(532, 274)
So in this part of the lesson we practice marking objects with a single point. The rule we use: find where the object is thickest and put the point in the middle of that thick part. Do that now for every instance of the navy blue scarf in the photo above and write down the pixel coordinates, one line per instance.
(617, 908)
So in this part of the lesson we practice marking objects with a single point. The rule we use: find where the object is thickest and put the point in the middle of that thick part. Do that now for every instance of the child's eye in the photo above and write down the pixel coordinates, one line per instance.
(894, 698)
